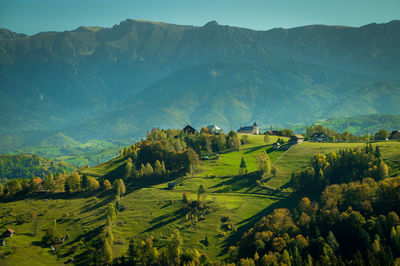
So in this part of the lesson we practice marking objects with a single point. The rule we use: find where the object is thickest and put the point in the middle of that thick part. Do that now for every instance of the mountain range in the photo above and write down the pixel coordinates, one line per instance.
(117, 82)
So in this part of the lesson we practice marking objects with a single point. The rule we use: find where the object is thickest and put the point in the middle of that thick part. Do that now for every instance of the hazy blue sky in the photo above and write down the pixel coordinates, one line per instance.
(32, 16)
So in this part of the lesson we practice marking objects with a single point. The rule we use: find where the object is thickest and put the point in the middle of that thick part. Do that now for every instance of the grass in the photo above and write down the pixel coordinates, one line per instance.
(152, 209)
(299, 156)
(157, 211)
(228, 163)
(79, 217)
(391, 154)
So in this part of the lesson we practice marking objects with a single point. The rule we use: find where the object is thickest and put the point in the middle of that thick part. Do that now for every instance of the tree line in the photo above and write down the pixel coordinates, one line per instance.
(30, 166)
(335, 168)
(174, 151)
(382, 134)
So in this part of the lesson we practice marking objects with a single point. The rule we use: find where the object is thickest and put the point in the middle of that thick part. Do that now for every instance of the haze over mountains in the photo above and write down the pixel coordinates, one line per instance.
(118, 82)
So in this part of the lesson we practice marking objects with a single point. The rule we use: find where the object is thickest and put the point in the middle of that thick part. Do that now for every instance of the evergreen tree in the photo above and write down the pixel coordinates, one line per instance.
(85, 183)
(206, 242)
(149, 169)
(331, 240)
(159, 168)
(163, 169)
(242, 167)
(285, 258)
(142, 170)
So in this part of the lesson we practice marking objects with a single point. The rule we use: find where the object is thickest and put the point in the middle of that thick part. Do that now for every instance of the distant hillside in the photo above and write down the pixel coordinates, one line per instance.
(30, 166)
(60, 147)
(232, 94)
(55, 80)
(358, 125)
(364, 124)
(12, 141)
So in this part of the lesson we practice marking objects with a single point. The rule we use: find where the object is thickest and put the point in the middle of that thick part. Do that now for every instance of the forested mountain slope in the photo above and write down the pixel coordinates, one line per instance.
(53, 80)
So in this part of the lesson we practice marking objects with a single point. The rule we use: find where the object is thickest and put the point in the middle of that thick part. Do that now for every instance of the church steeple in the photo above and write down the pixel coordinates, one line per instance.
(255, 129)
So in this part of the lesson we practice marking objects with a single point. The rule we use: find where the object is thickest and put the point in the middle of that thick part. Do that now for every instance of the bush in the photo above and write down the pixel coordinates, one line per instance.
(52, 236)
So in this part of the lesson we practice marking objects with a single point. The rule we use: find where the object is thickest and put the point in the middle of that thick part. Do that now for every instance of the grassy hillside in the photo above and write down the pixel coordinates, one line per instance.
(151, 209)
(299, 156)
(228, 163)
(79, 217)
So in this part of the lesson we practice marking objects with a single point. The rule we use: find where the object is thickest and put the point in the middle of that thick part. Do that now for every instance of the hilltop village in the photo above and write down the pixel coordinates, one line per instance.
(314, 133)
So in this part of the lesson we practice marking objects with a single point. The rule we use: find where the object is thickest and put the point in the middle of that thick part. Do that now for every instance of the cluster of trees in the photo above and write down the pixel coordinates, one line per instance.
(268, 139)
(264, 165)
(344, 166)
(172, 151)
(333, 135)
(382, 135)
(30, 166)
(103, 253)
(149, 158)
(52, 235)
(195, 210)
(282, 132)
(355, 223)
(145, 253)
(71, 183)
(25, 186)
(173, 140)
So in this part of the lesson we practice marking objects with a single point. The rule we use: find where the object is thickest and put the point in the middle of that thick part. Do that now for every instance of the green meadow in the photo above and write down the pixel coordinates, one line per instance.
(150, 209)
(228, 163)
(298, 157)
